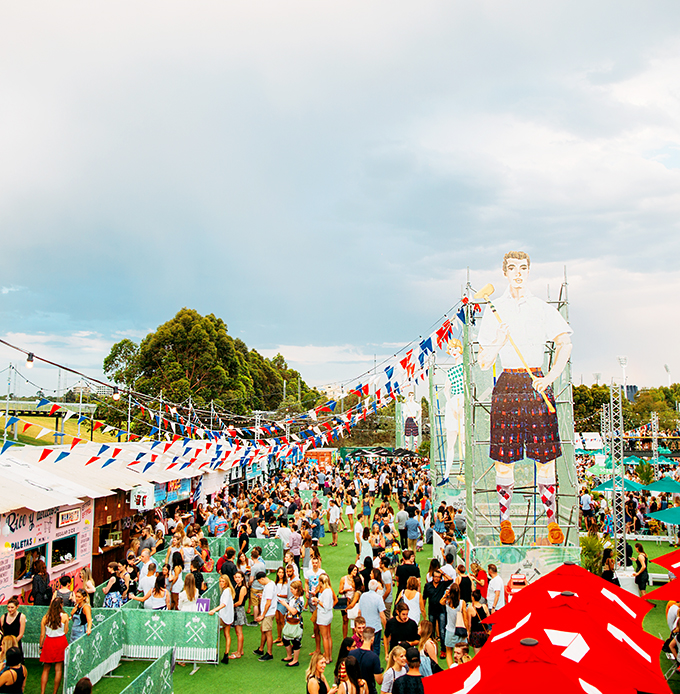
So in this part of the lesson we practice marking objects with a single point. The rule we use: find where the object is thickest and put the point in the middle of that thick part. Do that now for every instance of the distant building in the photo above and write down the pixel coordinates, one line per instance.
(104, 391)
(81, 387)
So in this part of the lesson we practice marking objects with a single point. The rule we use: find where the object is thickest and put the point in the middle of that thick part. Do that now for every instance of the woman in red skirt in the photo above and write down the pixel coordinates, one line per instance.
(53, 642)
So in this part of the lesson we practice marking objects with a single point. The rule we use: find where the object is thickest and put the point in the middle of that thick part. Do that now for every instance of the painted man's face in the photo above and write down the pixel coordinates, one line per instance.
(517, 272)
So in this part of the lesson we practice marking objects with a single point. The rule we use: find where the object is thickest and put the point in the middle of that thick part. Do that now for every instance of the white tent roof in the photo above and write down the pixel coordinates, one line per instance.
(38, 485)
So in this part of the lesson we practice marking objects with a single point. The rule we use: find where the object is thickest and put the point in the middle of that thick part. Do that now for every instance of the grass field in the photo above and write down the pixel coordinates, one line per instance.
(248, 676)
(70, 430)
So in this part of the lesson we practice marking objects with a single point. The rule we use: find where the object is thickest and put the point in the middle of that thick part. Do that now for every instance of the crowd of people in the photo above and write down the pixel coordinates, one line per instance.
(401, 619)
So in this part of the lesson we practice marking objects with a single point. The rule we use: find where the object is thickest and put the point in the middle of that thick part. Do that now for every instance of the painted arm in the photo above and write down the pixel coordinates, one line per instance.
(563, 349)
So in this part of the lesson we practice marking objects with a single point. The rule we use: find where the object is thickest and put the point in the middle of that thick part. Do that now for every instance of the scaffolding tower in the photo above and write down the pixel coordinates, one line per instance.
(527, 513)
(618, 479)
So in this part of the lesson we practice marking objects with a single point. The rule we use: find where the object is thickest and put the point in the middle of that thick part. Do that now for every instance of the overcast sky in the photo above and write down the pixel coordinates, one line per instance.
(321, 174)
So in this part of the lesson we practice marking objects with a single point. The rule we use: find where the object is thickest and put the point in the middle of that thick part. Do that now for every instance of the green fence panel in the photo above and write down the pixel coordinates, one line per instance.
(272, 550)
(133, 605)
(99, 614)
(97, 599)
(94, 655)
(31, 641)
(156, 679)
(148, 633)
(306, 496)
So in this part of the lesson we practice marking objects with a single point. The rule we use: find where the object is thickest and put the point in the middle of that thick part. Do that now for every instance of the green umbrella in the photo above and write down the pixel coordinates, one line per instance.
(666, 461)
(665, 451)
(671, 516)
(632, 460)
(598, 470)
(665, 484)
(628, 486)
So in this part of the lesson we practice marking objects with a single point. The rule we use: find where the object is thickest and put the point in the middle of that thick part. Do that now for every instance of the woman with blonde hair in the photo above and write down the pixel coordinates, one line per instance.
(53, 643)
(292, 631)
(428, 649)
(324, 614)
(175, 547)
(396, 668)
(315, 678)
(7, 643)
(88, 582)
(226, 611)
(189, 595)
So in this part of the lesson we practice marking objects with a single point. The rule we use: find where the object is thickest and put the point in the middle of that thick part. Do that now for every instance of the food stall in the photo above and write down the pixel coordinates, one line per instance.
(61, 536)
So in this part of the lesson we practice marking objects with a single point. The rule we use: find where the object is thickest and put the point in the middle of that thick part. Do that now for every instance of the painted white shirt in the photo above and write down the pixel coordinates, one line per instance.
(532, 323)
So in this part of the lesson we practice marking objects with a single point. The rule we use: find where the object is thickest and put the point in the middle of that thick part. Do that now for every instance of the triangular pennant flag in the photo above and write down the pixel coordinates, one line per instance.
(8, 444)
(45, 452)
(108, 462)
(92, 459)
(75, 441)
(54, 408)
(68, 415)
(97, 425)
(10, 421)
(42, 433)
(27, 426)
(103, 449)
(43, 401)
(62, 455)
(107, 429)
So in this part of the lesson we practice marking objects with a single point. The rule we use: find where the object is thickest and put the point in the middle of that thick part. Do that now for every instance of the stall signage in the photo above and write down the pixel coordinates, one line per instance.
(142, 498)
(178, 490)
(70, 517)
(159, 495)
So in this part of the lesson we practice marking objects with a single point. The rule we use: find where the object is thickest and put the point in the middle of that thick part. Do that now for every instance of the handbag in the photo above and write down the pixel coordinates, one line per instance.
(292, 632)
(353, 612)
(341, 604)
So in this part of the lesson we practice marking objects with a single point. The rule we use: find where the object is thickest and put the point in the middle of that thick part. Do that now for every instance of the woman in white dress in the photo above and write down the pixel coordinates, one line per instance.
(226, 612)
(324, 614)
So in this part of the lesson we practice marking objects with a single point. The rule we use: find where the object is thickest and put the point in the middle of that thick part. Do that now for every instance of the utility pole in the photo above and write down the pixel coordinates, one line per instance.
(80, 405)
(160, 414)
(299, 391)
(129, 415)
(284, 390)
(9, 384)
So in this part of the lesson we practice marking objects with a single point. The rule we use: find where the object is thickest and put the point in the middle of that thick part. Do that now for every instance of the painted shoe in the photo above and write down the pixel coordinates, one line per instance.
(555, 534)
(507, 533)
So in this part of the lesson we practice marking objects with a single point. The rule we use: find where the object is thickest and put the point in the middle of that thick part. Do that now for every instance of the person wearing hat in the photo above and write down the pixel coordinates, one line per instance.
(266, 616)
(412, 681)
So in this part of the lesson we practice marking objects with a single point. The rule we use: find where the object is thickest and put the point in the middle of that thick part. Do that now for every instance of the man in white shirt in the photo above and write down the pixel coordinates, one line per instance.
(147, 582)
(495, 596)
(266, 618)
(372, 609)
(334, 513)
(522, 423)
(284, 533)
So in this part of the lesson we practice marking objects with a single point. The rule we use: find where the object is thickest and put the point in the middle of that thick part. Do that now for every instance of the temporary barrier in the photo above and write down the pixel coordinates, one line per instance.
(34, 614)
(272, 549)
(94, 655)
(156, 679)
(148, 633)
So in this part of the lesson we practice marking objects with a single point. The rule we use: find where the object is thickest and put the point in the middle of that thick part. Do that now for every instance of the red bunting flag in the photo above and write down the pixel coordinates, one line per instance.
(75, 442)
(97, 425)
(54, 408)
(26, 426)
(44, 454)
(92, 459)
(116, 452)
(166, 446)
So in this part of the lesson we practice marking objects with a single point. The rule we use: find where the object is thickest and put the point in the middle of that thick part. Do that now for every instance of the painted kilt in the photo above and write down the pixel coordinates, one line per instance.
(410, 427)
(520, 421)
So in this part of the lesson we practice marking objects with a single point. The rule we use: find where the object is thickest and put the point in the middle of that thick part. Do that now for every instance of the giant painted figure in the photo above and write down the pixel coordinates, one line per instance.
(523, 417)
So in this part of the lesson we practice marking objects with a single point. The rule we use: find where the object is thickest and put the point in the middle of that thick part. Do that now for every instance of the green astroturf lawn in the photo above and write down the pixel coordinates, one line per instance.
(248, 676)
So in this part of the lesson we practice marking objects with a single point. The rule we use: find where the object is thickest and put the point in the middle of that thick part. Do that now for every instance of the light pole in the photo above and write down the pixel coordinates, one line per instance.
(623, 362)
(668, 372)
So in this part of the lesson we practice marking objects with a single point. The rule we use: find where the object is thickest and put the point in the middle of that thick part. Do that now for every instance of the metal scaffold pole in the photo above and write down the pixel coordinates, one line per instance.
(618, 492)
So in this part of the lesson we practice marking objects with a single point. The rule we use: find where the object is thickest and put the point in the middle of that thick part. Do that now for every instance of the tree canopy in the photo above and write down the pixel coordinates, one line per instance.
(194, 356)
